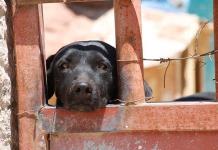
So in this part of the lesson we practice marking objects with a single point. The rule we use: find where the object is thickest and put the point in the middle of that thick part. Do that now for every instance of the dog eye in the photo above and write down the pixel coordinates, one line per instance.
(102, 66)
(64, 66)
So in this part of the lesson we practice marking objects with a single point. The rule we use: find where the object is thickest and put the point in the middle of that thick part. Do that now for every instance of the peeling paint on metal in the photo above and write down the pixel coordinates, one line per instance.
(90, 145)
(140, 147)
(155, 147)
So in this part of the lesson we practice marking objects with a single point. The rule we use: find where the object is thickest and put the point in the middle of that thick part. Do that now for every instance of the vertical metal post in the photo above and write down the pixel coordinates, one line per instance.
(28, 49)
(129, 50)
(215, 13)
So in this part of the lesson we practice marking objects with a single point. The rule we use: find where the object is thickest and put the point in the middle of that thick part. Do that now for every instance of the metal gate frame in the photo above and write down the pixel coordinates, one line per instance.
(161, 126)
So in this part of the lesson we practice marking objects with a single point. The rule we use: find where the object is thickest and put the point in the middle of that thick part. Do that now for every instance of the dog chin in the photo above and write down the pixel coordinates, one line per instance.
(86, 107)
(81, 108)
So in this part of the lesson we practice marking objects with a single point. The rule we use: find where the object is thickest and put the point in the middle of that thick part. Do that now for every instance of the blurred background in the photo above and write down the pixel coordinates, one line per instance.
(169, 29)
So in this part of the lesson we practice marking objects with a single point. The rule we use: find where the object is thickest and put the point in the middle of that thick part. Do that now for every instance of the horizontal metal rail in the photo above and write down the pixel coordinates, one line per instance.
(191, 116)
(31, 2)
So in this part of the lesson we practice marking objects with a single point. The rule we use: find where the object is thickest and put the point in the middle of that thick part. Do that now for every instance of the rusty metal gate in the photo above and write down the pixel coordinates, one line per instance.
(169, 126)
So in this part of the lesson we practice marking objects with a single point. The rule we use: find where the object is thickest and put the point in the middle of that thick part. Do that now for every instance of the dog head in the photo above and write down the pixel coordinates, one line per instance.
(82, 75)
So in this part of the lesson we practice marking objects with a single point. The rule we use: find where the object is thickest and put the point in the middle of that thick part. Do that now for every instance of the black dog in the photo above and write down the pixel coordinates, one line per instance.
(203, 96)
(83, 76)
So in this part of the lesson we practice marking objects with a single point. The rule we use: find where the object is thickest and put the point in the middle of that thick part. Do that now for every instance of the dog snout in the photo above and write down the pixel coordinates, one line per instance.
(82, 88)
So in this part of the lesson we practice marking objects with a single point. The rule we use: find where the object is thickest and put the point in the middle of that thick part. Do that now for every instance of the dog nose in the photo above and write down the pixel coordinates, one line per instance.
(82, 88)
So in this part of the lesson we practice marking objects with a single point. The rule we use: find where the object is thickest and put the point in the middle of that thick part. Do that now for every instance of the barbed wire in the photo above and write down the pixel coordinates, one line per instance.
(193, 56)
(127, 103)
(196, 56)
(203, 26)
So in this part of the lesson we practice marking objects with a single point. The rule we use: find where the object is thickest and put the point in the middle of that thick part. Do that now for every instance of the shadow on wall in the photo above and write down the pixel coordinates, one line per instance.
(92, 10)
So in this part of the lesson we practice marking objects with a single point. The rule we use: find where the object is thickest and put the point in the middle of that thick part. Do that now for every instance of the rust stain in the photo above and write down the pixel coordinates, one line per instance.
(136, 140)
(196, 116)
(29, 74)
(91, 145)
(129, 50)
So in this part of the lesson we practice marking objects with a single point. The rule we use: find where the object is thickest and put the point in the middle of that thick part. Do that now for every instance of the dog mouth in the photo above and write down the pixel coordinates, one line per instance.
(81, 107)
(84, 103)
(85, 106)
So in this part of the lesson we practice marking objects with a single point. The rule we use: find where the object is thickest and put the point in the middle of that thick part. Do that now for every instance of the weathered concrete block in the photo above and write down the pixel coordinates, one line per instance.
(2, 8)
(5, 84)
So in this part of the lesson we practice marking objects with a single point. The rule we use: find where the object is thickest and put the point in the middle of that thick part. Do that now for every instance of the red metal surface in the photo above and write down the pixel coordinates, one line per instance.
(215, 13)
(115, 127)
(29, 72)
(129, 50)
(136, 141)
(28, 2)
(150, 117)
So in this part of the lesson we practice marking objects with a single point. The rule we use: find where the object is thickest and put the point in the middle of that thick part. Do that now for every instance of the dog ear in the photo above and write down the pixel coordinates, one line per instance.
(148, 90)
(50, 80)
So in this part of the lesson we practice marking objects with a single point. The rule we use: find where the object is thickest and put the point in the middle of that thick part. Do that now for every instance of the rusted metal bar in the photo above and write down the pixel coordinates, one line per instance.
(28, 50)
(215, 13)
(197, 116)
(28, 2)
(129, 50)
(136, 141)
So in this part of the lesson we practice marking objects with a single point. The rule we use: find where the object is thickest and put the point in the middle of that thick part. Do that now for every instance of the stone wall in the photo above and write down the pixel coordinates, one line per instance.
(5, 84)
